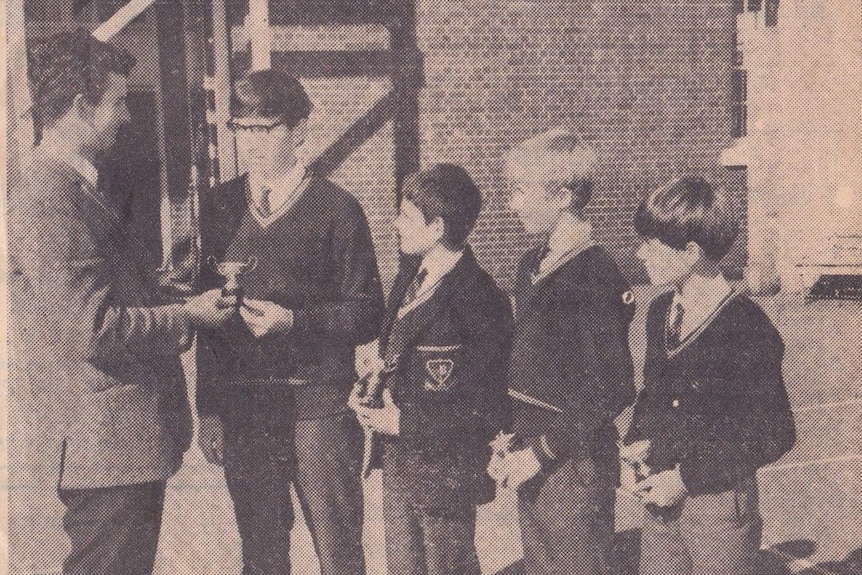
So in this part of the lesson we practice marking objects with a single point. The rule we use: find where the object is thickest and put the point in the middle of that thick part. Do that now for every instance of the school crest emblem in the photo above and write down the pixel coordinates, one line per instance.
(628, 297)
(439, 370)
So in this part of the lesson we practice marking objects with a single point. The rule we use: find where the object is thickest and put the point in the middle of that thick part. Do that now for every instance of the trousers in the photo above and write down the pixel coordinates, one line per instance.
(321, 458)
(113, 530)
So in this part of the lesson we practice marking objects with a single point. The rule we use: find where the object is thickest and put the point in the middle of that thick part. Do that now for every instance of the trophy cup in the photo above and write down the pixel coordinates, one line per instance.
(233, 272)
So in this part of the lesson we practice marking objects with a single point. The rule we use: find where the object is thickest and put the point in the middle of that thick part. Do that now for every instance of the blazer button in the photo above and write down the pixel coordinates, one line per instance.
(675, 403)
(695, 385)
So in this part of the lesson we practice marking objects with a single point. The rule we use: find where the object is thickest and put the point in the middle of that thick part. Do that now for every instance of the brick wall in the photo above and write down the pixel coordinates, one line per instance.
(647, 82)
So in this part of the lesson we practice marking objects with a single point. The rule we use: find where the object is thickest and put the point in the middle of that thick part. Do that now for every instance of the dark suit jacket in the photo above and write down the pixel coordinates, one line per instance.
(450, 385)
(100, 349)
(571, 350)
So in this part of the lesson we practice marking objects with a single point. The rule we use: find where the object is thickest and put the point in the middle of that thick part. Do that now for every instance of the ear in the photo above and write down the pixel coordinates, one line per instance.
(300, 132)
(693, 253)
(439, 227)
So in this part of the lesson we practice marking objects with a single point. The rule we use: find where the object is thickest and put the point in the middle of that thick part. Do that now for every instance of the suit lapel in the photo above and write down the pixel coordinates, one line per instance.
(414, 322)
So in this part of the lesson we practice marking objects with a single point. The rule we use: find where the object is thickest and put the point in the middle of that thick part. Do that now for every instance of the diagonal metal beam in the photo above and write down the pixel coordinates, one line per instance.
(357, 134)
(121, 18)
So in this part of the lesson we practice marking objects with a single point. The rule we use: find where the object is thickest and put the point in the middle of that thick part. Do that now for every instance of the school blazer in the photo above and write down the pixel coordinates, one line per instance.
(96, 351)
(450, 384)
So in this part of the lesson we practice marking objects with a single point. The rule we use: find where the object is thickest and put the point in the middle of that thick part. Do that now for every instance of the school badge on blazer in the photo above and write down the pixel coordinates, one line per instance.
(440, 365)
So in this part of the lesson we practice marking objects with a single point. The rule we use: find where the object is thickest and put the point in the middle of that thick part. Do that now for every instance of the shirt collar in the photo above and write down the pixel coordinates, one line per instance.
(439, 262)
(570, 234)
(71, 158)
(701, 295)
(283, 187)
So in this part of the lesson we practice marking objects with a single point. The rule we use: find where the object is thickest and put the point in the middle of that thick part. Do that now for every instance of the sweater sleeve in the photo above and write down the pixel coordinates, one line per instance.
(602, 369)
(355, 313)
(757, 431)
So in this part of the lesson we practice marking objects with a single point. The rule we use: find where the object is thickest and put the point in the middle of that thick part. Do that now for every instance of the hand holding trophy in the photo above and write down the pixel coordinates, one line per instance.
(233, 273)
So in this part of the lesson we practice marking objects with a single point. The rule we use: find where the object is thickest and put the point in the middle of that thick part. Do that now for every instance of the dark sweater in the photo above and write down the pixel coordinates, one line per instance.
(318, 260)
(571, 350)
(717, 405)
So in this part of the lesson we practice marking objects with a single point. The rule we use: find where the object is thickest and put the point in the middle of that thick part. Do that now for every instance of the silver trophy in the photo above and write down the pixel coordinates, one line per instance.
(233, 273)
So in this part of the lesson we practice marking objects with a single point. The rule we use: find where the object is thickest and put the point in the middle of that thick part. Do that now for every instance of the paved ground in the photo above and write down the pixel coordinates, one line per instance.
(811, 500)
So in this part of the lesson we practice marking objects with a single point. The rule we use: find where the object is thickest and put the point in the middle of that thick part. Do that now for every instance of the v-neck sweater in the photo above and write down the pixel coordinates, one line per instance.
(316, 259)
(716, 404)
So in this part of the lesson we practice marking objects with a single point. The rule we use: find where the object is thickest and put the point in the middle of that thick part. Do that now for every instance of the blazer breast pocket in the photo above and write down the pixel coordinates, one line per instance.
(441, 366)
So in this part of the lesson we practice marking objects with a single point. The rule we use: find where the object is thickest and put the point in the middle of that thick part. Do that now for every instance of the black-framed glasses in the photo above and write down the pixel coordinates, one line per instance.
(254, 125)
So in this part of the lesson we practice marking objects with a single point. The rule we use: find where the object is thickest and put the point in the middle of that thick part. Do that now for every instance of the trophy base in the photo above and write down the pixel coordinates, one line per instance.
(233, 292)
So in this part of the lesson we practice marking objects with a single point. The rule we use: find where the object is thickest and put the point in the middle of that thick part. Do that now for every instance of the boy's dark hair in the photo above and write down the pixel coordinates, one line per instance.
(67, 64)
(446, 191)
(687, 210)
(270, 94)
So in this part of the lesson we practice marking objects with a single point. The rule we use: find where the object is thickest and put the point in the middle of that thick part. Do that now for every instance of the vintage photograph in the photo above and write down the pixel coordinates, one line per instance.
(432, 287)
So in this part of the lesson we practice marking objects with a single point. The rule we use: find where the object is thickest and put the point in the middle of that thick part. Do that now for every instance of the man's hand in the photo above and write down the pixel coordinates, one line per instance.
(386, 420)
(664, 489)
(210, 309)
(211, 439)
(517, 467)
(265, 317)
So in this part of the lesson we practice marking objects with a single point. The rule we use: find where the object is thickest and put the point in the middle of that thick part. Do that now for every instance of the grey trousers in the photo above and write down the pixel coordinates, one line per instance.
(567, 520)
(710, 534)
(322, 459)
(113, 530)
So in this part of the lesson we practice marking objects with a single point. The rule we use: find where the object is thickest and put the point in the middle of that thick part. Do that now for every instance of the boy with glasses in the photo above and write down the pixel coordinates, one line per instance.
(273, 383)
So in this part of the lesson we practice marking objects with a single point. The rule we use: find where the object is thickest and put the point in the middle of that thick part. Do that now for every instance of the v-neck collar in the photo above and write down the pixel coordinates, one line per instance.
(289, 203)
(698, 331)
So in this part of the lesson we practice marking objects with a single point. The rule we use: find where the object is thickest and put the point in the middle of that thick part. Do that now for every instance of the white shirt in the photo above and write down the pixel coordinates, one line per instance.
(71, 158)
(570, 237)
(699, 298)
(437, 263)
(283, 191)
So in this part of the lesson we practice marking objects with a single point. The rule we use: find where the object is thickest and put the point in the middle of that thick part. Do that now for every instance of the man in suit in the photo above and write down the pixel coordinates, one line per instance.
(571, 369)
(100, 347)
(273, 383)
(445, 343)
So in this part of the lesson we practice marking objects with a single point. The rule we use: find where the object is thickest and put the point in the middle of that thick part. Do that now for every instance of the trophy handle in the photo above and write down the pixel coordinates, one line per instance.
(250, 265)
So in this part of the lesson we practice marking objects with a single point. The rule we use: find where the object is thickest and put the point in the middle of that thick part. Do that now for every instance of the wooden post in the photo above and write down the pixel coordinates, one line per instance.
(260, 36)
(221, 48)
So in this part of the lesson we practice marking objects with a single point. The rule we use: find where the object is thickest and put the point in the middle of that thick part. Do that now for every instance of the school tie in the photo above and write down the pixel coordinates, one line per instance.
(540, 257)
(413, 288)
(674, 326)
(263, 202)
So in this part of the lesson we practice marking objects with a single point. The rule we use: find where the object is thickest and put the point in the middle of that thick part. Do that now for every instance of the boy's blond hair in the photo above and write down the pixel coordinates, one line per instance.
(559, 159)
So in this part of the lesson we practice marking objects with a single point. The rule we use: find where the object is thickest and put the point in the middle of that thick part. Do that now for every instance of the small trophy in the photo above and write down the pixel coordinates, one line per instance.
(233, 272)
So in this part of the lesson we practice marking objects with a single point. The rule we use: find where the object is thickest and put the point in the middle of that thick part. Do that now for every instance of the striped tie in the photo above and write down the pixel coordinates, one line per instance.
(674, 326)
(413, 288)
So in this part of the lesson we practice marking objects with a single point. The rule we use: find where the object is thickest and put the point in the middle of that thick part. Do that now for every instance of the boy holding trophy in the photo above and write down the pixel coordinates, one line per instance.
(714, 408)
(444, 346)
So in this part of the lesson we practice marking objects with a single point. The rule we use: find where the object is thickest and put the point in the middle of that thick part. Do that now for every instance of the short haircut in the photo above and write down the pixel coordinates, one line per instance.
(446, 191)
(270, 94)
(688, 210)
(561, 160)
(67, 64)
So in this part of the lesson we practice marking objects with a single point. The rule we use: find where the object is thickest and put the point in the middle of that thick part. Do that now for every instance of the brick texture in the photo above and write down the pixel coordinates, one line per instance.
(647, 82)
